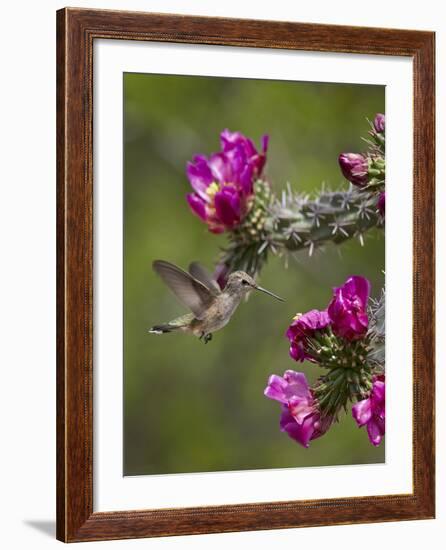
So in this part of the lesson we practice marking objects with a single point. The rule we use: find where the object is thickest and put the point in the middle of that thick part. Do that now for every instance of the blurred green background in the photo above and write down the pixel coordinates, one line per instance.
(195, 408)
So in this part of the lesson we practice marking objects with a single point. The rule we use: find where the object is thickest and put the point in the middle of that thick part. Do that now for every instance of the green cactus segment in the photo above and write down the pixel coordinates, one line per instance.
(335, 217)
(253, 227)
(341, 386)
(349, 376)
(333, 352)
(296, 223)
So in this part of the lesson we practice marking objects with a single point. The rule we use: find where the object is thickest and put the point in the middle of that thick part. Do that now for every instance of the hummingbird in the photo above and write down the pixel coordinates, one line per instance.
(211, 307)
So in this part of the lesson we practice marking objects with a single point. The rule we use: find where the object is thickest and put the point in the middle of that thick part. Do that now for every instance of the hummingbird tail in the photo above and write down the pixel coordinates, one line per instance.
(163, 329)
(180, 323)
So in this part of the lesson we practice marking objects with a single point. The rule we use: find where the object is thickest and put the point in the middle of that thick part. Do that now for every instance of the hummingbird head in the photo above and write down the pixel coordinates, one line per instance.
(240, 283)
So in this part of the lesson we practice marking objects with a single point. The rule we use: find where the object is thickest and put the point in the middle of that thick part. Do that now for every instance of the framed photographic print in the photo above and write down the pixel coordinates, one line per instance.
(245, 275)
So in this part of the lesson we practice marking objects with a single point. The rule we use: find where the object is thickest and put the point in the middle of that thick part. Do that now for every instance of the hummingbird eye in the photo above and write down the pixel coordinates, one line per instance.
(245, 282)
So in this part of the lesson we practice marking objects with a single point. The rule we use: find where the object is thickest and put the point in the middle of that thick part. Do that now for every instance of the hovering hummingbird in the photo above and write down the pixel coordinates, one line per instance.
(211, 307)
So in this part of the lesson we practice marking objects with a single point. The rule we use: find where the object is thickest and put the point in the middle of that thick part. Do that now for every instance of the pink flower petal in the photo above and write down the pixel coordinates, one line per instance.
(197, 205)
(362, 412)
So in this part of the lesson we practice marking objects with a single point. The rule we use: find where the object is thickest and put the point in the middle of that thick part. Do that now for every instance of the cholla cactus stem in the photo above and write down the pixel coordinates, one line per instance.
(295, 222)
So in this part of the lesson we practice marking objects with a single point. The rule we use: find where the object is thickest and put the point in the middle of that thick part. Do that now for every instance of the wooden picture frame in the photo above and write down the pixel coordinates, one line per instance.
(77, 29)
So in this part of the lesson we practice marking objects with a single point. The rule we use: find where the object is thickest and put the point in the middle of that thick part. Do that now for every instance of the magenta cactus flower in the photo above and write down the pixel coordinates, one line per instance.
(245, 148)
(371, 412)
(354, 166)
(381, 204)
(223, 184)
(303, 327)
(379, 124)
(348, 308)
(300, 418)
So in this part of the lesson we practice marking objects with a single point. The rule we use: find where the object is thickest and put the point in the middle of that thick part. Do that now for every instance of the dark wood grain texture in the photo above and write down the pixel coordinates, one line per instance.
(76, 31)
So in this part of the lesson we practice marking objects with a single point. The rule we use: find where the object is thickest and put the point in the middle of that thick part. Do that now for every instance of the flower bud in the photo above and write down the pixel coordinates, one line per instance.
(379, 123)
(354, 166)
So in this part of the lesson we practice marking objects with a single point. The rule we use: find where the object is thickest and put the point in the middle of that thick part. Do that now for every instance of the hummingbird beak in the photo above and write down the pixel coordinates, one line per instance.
(268, 292)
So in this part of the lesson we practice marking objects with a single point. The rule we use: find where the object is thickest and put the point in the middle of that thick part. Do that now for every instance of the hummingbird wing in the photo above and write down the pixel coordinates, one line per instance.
(190, 291)
(199, 272)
